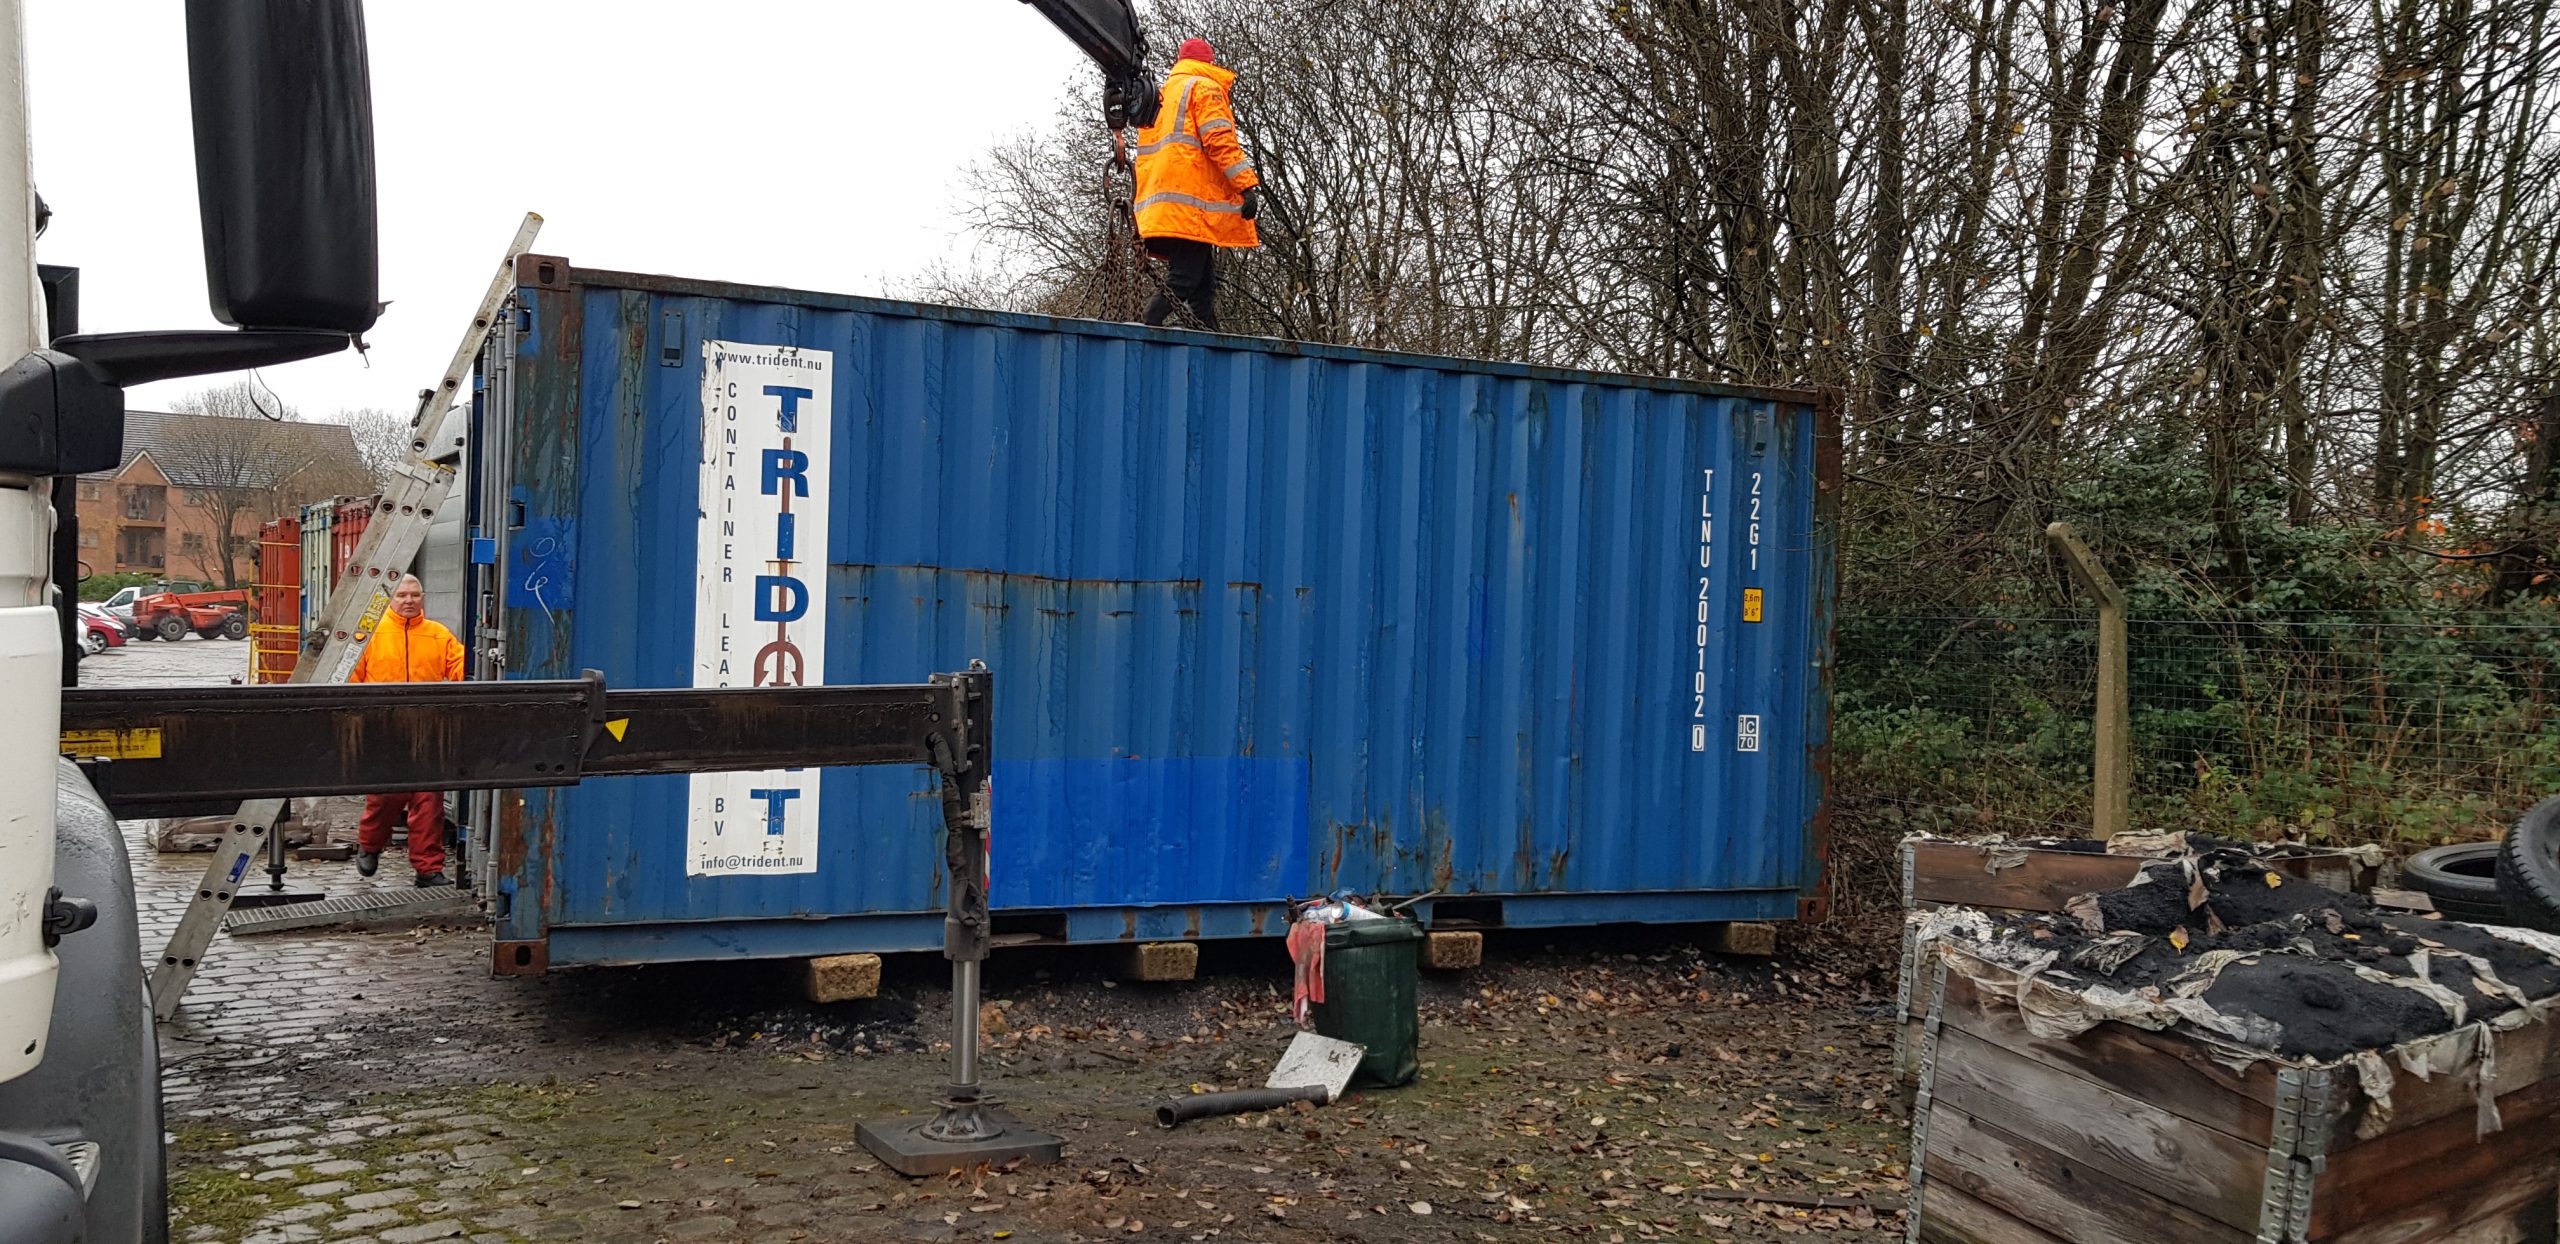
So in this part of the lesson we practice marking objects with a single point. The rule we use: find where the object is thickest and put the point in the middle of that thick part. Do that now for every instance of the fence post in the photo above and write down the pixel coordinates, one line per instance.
(2114, 796)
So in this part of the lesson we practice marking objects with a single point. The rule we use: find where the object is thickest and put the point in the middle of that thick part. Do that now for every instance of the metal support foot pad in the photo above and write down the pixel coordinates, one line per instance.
(981, 1134)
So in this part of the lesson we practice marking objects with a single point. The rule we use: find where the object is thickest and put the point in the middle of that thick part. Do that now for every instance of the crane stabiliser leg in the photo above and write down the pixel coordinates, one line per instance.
(970, 1129)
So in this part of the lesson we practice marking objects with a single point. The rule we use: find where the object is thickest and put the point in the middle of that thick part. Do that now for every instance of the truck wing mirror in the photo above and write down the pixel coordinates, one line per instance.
(283, 104)
(284, 162)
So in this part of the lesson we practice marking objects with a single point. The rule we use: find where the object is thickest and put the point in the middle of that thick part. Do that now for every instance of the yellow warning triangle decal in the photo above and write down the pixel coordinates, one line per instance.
(617, 726)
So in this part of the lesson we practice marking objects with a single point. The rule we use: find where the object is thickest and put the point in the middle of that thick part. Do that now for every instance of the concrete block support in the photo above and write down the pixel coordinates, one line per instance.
(1744, 937)
(842, 978)
(1160, 961)
(1453, 950)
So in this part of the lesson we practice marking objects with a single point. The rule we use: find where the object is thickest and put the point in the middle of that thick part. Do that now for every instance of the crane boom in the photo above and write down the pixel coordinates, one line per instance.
(1108, 32)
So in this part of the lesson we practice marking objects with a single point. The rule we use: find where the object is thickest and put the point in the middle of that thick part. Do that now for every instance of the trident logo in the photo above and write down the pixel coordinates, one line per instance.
(778, 664)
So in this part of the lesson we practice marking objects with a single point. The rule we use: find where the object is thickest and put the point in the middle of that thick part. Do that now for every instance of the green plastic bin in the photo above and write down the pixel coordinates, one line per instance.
(1369, 972)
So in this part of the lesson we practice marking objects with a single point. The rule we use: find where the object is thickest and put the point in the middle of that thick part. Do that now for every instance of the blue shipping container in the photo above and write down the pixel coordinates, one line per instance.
(1266, 620)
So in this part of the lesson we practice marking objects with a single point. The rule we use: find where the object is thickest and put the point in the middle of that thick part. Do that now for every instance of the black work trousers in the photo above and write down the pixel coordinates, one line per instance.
(1191, 273)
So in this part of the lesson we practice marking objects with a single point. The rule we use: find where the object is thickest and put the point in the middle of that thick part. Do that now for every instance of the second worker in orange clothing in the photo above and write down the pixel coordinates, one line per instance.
(408, 646)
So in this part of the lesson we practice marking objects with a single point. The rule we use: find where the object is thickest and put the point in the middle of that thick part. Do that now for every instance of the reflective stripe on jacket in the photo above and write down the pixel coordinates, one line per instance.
(1192, 169)
(416, 649)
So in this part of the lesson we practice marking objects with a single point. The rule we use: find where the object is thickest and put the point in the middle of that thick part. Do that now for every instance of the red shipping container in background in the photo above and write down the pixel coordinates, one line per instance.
(345, 530)
(275, 602)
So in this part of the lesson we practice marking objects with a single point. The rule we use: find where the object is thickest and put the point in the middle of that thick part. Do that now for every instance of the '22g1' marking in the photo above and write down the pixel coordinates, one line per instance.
(1755, 520)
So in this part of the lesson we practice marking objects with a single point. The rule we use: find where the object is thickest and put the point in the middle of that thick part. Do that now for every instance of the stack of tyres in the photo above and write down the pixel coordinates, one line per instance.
(2513, 881)
(2528, 868)
(2461, 880)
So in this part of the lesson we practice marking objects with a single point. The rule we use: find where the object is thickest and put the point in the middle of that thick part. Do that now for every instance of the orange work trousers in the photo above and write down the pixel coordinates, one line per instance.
(424, 810)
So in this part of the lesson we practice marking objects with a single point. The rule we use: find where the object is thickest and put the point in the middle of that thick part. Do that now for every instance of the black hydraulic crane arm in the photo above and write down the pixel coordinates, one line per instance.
(1108, 32)
(188, 751)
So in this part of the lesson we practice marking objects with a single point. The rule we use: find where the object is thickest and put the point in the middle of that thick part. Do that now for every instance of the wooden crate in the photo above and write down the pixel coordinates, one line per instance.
(2126, 1136)
(2006, 876)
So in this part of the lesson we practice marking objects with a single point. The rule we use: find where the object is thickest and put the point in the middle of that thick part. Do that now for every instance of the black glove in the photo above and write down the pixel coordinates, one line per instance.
(1252, 201)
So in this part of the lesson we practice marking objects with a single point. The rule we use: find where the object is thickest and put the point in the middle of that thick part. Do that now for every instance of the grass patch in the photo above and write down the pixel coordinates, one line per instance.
(228, 1201)
(206, 1190)
(513, 1103)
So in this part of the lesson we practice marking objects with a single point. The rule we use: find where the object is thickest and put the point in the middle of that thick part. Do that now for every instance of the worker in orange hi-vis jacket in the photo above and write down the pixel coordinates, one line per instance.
(408, 646)
(1196, 185)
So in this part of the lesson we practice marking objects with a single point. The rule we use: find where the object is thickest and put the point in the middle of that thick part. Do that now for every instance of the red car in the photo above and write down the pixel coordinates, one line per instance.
(98, 631)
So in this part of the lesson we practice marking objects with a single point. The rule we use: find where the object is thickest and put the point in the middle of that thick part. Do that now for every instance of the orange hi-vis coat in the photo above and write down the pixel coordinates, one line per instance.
(416, 649)
(1192, 169)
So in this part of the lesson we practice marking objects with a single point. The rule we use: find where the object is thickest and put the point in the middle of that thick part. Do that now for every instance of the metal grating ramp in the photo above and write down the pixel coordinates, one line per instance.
(366, 906)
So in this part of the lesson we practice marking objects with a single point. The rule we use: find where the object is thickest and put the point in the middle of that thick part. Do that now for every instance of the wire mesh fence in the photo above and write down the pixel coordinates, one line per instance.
(2367, 726)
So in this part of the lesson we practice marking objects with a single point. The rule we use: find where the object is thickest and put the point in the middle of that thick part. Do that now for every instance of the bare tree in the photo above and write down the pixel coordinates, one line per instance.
(240, 399)
(241, 458)
(2301, 253)
(382, 440)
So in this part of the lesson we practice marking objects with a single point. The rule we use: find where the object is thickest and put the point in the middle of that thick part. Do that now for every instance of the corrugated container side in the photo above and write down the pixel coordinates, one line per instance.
(346, 530)
(317, 571)
(1265, 621)
(275, 609)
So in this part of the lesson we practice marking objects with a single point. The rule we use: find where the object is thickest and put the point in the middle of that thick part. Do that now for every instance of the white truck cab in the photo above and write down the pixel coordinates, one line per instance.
(284, 169)
(30, 630)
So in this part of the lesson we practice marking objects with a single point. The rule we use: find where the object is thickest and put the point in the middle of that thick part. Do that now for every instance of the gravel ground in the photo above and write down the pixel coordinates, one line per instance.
(1607, 1085)
(1585, 1089)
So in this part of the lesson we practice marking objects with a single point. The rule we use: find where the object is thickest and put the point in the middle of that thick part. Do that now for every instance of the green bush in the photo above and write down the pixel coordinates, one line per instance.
(102, 586)
(2348, 676)
(2419, 725)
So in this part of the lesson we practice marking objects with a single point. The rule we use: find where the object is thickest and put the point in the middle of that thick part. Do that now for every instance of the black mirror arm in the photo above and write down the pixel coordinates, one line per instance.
(127, 359)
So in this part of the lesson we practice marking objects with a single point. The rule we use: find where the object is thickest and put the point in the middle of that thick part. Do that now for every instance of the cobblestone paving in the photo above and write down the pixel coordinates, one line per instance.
(190, 662)
(383, 1088)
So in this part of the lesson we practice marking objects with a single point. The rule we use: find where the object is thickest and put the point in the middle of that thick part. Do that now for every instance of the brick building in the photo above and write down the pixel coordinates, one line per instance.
(191, 491)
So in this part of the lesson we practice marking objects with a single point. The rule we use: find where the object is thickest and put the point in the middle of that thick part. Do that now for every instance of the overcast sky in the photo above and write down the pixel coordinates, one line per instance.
(816, 144)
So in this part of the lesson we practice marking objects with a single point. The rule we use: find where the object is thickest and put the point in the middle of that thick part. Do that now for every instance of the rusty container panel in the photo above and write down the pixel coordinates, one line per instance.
(1266, 620)
(275, 610)
(346, 530)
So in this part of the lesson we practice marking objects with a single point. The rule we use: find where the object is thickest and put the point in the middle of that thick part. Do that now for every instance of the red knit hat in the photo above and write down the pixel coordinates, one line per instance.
(1199, 50)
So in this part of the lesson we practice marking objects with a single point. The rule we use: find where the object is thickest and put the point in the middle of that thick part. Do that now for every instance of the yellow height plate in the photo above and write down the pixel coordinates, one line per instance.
(1750, 604)
(373, 611)
(141, 744)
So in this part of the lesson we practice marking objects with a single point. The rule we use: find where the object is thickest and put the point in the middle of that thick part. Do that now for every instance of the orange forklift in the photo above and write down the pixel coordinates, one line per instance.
(170, 615)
